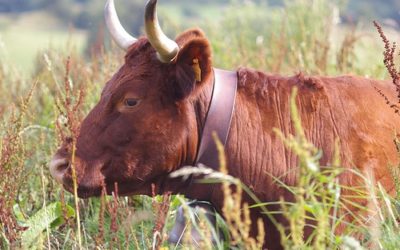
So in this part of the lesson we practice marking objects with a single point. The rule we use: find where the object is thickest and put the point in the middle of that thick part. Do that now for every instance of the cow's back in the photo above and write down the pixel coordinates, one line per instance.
(346, 108)
(361, 119)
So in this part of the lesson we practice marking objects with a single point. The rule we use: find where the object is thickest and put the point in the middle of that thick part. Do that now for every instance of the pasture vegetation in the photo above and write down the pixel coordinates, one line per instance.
(22, 37)
(38, 112)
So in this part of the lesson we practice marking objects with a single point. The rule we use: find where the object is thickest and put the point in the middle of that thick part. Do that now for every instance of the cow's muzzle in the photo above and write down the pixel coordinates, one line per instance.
(89, 182)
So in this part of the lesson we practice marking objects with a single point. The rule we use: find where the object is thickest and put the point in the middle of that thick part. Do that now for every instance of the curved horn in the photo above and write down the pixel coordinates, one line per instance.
(166, 48)
(118, 33)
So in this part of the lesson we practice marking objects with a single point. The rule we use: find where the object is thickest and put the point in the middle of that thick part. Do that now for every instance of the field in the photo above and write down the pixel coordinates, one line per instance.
(48, 85)
(24, 37)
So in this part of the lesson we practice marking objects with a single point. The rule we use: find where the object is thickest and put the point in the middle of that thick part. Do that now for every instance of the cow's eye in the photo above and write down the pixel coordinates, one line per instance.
(131, 102)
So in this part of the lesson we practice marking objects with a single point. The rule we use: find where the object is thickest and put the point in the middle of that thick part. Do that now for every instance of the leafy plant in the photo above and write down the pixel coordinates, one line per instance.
(47, 218)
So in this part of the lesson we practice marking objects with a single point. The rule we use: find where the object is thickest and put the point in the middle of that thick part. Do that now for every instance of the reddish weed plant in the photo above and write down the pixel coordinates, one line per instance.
(161, 210)
(68, 105)
(12, 157)
(389, 60)
(68, 125)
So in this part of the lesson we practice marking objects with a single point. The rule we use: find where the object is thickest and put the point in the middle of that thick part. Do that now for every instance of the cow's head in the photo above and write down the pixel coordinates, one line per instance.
(148, 119)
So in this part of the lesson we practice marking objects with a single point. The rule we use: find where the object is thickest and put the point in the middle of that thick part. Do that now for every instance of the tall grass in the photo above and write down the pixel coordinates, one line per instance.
(45, 111)
(303, 36)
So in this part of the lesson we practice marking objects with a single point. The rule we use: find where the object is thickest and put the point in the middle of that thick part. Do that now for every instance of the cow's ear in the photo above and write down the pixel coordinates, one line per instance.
(193, 67)
(189, 35)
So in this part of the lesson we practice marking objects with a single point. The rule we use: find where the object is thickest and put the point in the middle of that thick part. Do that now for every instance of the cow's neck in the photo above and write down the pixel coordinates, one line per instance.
(254, 152)
(213, 114)
(198, 107)
(247, 138)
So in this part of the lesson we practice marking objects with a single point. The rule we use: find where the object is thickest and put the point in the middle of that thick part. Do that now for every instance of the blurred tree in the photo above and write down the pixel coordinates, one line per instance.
(62, 8)
(373, 9)
(21, 5)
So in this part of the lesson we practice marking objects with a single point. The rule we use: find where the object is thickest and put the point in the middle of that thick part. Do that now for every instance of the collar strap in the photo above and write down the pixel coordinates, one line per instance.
(218, 118)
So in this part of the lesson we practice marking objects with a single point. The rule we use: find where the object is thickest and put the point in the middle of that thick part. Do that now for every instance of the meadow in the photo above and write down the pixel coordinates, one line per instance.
(42, 102)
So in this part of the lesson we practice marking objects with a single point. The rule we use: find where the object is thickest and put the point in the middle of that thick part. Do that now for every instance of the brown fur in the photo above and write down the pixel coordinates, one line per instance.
(138, 146)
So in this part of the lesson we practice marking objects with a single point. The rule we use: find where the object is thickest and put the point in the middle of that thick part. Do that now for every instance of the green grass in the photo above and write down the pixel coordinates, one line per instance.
(181, 12)
(22, 49)
(29, 134)
(21, 38)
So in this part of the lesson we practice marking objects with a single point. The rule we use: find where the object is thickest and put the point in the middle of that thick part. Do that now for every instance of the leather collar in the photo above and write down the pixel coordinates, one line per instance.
(219, 117)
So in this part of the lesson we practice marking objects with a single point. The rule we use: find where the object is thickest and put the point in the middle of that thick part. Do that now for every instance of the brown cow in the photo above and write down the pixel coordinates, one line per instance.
(151, 114)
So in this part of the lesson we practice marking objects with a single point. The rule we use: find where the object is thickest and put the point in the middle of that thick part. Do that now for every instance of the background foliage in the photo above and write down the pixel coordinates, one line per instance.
(54, 23)
(52, 51)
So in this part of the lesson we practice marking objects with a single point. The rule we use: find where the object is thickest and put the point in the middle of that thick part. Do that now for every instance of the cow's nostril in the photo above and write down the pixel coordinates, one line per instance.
(58, 167)
(62, 168)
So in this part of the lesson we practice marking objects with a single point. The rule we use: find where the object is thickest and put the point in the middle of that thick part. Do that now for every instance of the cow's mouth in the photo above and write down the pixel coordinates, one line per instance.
(82, 190)
(119, 188)
(94, 184)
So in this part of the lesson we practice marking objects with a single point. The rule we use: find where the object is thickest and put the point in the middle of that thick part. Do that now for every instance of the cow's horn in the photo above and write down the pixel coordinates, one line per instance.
(166, 48)
(118, 33)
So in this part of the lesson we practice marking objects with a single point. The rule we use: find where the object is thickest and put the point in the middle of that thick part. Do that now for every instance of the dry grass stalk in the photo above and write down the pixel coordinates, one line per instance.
(280, 53)
(113, 210)
(346, 54)
(161, 210)
(100, 236)
(68, 219)
(237, 212)
(68, 105)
